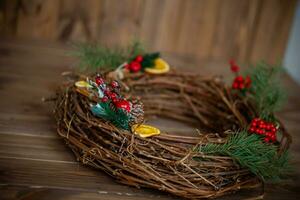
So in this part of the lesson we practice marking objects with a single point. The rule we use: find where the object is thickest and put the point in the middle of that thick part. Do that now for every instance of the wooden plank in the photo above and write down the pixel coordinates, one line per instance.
(61, 175)
(272, 30)
(22, 192)
(37, 19)
(248, 30)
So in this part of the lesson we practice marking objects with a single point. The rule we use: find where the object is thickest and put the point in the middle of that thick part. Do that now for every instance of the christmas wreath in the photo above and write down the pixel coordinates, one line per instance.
(238, 141)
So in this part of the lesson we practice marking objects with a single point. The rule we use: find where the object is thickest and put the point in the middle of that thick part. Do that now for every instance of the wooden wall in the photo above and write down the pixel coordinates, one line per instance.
(248, 30)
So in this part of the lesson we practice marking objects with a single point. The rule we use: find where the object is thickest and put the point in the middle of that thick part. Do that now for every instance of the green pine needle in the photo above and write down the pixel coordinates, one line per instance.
(149, 59)
(118, 117)
(250, 152)
(94, 57)
(266, 90)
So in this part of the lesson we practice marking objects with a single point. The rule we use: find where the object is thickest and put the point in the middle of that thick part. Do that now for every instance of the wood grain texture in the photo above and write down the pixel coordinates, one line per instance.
(36, 164)
(247, 30)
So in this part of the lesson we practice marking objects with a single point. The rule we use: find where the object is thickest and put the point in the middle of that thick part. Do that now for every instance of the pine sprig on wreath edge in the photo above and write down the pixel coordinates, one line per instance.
(251, 152)
(266, 90)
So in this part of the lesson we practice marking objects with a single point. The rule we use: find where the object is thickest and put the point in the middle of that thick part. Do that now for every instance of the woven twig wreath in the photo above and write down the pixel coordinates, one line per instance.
(168, 161)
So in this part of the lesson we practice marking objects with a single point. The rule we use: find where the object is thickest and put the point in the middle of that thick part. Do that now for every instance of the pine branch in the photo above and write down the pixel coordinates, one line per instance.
(149, 59)
(250, 152)
(96, 57)
(266, 90)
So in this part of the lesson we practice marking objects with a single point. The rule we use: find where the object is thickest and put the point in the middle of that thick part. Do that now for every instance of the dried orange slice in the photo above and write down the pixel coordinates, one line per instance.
(82, 84)
(144, 130)
(160, 67)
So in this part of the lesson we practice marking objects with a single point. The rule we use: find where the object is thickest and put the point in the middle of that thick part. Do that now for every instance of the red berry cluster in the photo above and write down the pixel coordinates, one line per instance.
(112, 93)
(135, 65)
(239, 82)
(262, 127)
(233, 66)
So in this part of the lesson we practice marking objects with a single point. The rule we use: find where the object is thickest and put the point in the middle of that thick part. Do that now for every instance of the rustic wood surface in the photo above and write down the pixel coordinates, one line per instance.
(34, 161)
(202, 29)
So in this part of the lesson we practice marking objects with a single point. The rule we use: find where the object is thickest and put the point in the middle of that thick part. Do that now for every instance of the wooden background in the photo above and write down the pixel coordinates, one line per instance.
(248, 30)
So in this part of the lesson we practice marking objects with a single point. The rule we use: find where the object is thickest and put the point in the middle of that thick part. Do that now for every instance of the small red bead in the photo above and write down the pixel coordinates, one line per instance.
(139, 58)
(273, 138)
(235, 68)
(273, 129)
(268, 134)
(99, 80)
(114, 100)
(104, 99)
(114, 84)
(239, 79)
(252, 129)
(256, 120)
(235, 85)
(254, 124)
(263, 126)
(267, 139)
(247, 82)
(113, 95)
(241, 85)
(107, 92)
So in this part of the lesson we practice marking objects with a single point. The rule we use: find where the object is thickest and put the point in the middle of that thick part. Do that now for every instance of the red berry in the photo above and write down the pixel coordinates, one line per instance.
(113, 95)
(261, 132)
(135, 66)
(235, 85)
(123, 104)
(262, 125)
(239, 79)
(254, 124)
(235, 68)
(273, 138)
(99, 80)
(107, 92)
(241, 85)
(273, 129)
(256, 120)
(114, 84)
(267, 139)
(247, 82)
(127, 66)
(104, 99)
(115, 100)
(269, 134)
(252, 129)
(139, 58)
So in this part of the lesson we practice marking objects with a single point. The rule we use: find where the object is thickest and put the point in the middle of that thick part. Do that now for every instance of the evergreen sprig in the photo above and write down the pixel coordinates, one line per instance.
(116, 116)
(95, 57)
(251, 152)
(149, 59)
(266, 90)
